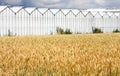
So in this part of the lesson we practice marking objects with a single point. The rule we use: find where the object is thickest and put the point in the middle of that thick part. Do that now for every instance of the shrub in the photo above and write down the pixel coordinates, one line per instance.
(67, 31)
(59, 30)
(96, 30)
(115, 31)
(9, 33)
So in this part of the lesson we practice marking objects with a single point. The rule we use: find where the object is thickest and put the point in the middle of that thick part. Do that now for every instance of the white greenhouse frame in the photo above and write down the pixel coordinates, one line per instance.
(43, 21)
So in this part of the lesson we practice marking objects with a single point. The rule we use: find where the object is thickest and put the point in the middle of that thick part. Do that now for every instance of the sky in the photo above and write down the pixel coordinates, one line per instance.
(63, 3)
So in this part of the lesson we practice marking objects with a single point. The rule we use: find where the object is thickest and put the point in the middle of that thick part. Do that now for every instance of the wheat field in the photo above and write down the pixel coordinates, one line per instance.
(60, 55)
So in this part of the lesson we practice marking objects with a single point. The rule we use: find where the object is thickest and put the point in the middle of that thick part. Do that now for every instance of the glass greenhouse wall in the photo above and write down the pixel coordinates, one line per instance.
(42, 21)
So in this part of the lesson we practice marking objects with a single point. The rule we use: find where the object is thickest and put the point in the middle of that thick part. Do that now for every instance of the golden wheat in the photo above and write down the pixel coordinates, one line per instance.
(60, 55)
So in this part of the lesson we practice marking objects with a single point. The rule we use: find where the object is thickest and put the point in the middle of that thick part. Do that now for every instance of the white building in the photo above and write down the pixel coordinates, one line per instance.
(42, 21)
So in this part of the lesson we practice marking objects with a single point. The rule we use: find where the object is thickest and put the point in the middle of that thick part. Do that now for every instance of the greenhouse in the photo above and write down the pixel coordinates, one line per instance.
(43, 21)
